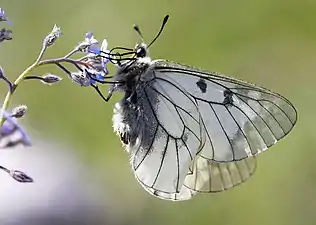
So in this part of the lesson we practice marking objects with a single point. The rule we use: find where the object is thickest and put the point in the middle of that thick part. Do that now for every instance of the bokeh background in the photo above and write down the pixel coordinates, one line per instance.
(268, 42)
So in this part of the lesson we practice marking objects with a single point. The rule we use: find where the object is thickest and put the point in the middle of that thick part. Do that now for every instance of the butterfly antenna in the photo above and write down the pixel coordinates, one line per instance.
(165, 20)
(136, 28)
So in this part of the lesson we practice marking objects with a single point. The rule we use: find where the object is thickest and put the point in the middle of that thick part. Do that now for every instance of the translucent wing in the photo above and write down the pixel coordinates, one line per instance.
(167, 127)
(197, 131)
(238, 119)
(211, 176)
(184, 193)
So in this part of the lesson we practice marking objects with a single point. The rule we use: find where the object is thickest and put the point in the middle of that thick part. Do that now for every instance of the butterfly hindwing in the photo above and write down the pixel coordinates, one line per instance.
(211, 176)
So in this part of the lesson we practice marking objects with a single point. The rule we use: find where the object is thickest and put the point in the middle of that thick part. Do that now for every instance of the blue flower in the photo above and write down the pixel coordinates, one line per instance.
(90, 44)
(93, 68)
(81, 78)
(12, 134)
(98, 57)
(3, 17)
(97, 76)
(105, 57)
(87, 77)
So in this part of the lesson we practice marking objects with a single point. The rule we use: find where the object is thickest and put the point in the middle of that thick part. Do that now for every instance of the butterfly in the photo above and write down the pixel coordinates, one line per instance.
(191, 131)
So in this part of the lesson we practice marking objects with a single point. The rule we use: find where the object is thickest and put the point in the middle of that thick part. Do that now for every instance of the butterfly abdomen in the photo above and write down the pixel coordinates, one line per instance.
(125, 123)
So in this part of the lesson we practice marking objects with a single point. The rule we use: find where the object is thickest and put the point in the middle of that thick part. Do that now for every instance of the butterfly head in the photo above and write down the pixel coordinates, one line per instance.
(141, 50)
(131, 64)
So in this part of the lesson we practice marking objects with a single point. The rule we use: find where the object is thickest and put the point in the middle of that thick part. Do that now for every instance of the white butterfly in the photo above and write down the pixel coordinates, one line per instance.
(190, 131)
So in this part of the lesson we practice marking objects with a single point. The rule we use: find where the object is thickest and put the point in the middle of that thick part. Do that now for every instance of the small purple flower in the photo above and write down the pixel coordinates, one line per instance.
(87, 77)
(12, 134)
(90, 44)
(7, 129)
(96, 76)
(81, 78)
(105, 57)
(98, 58)
(3, 17)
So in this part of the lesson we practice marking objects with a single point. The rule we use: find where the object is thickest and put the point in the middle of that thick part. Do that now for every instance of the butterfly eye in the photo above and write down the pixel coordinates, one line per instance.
(141, 52)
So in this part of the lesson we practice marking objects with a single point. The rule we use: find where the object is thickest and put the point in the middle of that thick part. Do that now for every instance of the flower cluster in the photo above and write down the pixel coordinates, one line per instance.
(89, 69)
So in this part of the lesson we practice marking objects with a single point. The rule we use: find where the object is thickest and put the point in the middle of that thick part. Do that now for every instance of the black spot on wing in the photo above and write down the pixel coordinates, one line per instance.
(228, 100)
(202, 85)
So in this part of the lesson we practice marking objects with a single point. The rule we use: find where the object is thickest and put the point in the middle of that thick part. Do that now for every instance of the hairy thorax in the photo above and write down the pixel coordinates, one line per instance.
(129, 75)
(132, 119)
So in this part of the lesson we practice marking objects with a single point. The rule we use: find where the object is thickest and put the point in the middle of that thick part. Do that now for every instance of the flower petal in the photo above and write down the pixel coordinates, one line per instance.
(12, 134)
(104, 45)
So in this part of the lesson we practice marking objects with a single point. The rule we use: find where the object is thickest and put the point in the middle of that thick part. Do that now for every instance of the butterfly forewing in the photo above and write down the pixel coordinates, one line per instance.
(238, 119)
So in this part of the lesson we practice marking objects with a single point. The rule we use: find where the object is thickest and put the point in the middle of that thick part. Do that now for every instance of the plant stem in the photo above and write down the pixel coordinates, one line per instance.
(17, 82)
(10, 92)
(37, 63)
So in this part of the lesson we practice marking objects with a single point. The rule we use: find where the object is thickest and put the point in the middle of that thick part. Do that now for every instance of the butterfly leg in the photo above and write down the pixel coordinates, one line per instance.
(107, 98)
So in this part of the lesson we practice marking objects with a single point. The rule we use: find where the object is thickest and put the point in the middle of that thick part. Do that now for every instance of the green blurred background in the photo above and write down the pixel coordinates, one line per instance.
(268, 42)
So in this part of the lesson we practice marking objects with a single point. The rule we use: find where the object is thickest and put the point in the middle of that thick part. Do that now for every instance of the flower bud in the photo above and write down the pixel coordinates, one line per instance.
(81, 78)
(19, 111)
(50, 79)
(52, 37)
(3, 17)
(20, 176)
(5, 34)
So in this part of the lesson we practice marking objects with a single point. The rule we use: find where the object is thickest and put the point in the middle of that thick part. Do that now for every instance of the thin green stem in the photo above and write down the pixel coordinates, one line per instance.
(10, 92)
(36, 64)
(71, 53)
(60, 60)
(40, 56)
(17, 82)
